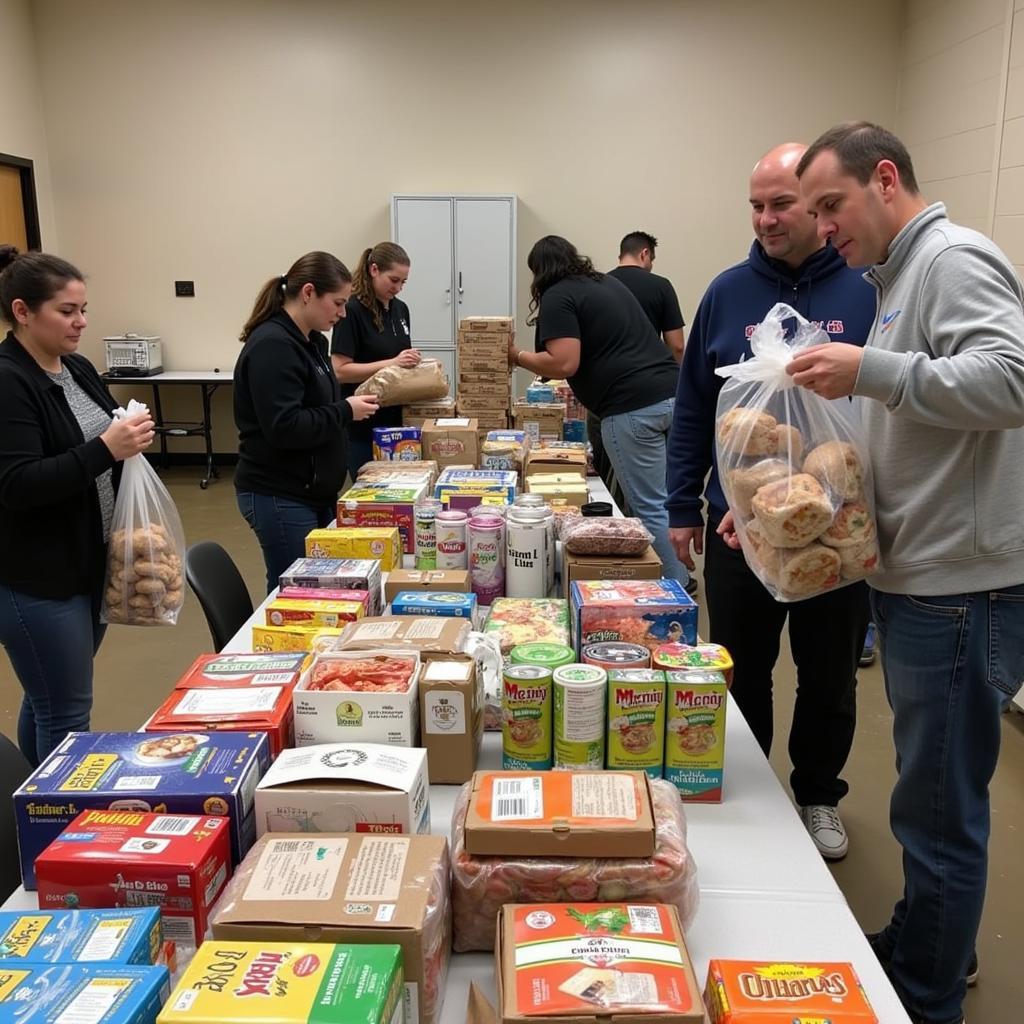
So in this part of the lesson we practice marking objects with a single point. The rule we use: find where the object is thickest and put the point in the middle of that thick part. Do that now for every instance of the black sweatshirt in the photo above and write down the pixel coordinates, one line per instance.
(51, 528)
(290, 416)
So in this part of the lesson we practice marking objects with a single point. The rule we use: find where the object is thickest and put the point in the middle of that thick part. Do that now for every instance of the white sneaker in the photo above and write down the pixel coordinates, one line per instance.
(826, 829)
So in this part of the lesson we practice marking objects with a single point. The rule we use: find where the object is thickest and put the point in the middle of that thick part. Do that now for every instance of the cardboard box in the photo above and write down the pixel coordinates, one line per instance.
(239, 670)
(382, 543)
(312, 613)
(648, 612)
(477, 405)
(451, 441)
(603, 567)
(574, 492)
(452, 581)
(229, 709)
(695, 711)
(476, 359)
(337, 574)
(749, 992)
(497, 381)
(269, 639)
(382, 505)
(538, 419)
(345, 787)
(208, 773)
(435, 602)
(361, 716)
(179, 863)
(474, 483)
(451, 716)
(524, 620)
(361, 597)
(131, 935)
(560, 814)
(556, 460)
(68, 993)
(350, 889)
(413, 415)
(545, 968)
(375, 472)
(493, 324)
(420, 632)
(238, 982)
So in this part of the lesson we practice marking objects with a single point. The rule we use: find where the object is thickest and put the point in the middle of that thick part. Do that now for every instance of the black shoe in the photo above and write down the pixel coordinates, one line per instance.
(691, 586)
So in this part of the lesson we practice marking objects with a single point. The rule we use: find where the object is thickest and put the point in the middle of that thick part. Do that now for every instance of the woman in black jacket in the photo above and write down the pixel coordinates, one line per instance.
(291, 418)
(59, 455)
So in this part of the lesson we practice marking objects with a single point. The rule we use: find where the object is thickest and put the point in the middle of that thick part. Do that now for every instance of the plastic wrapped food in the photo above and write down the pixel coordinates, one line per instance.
(605, 536)
(375, 673)
(523, 620)
(794, 469)
(400, 385)
(482, 885)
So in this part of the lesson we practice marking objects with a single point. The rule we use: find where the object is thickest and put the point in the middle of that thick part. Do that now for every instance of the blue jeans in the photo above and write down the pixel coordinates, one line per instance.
(951, 665)
(51, 645)
(636, 443)
(281, 525)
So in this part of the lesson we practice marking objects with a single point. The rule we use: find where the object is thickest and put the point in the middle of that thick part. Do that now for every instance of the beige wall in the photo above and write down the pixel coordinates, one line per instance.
(21, 109)
(1008, 226)
(217, 141)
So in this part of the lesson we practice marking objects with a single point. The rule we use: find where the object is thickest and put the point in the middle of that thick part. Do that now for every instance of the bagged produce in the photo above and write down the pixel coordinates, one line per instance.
(794, 469)
(481, 885)
(400, 385)
(604, 535)
(145, 584)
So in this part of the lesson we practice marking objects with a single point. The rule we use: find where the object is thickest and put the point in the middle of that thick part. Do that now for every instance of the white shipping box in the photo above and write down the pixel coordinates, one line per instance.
(345, 787)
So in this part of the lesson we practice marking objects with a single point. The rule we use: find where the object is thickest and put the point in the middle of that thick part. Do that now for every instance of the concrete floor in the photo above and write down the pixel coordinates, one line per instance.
(136, 668)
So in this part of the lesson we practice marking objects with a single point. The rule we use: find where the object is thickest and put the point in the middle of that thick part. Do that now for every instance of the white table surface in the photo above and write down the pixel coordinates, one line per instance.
(187, 377)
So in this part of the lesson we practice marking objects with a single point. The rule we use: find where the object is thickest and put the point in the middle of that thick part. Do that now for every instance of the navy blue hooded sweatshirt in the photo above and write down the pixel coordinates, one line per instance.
(822, 288)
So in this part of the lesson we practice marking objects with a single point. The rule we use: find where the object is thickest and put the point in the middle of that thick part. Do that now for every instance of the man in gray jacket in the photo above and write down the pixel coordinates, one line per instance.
(940, 386)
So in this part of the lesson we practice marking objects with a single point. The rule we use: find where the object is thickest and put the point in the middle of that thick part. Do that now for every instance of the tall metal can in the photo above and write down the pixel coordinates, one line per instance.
(536, 503)
(486, 542)
(526, 553)
(580, 694)
(425, 532)
(451, 540)
(526, 718)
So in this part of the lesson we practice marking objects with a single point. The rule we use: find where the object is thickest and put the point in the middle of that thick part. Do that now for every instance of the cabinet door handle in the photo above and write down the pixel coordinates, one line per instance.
(460, 282)
(447, 296)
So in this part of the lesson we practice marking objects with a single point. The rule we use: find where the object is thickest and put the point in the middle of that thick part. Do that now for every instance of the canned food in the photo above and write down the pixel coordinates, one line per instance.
(614, 654)
(526, 556)
(695, 734)
(425, 532)
(579, 701)
(451, 540)
(547, 655)
(526, 718)
(486, 543)
(680, 657)
(636, 720)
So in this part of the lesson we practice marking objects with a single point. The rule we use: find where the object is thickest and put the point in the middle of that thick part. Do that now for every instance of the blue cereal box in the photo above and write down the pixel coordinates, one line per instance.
(397, 444)
(176, 772)
(124, 936)
(82, 994)
(434, 602)
(646, 612)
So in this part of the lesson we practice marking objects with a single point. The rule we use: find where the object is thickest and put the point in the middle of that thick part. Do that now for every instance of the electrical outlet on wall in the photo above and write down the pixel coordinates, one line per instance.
(185, 289)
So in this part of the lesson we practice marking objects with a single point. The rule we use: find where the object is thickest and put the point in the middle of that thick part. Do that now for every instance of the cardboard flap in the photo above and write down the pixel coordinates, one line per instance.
(371, 764)
(478, 1009)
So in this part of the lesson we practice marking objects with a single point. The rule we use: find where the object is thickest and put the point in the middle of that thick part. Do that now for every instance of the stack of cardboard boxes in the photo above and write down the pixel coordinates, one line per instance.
(484, 377)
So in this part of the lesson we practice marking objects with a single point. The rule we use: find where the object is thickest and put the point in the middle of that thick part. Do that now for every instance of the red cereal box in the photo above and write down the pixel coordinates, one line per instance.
(177, 862)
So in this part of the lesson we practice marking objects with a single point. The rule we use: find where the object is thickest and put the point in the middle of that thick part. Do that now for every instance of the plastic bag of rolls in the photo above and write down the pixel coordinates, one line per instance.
(145, 580)
(794, 469)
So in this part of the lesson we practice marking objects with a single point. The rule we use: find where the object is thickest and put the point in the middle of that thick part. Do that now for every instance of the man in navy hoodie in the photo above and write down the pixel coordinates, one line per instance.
(786, 263)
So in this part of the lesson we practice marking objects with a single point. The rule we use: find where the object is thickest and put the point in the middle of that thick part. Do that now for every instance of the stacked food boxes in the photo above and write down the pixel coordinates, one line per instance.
(414, 415)
(541, 421)
(558, 471)
(484, 378)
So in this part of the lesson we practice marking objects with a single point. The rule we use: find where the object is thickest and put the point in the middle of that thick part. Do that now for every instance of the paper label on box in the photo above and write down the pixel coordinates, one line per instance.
(426, 628)
(228, 701)
(138, 844)
(172, 825)
(385, 913)
(604, 796)
(376, 873)
(106, 939)
(445, 713)
(94, 1001)
(452, 421)
(297, 869)
(376, 630)
(518, 799)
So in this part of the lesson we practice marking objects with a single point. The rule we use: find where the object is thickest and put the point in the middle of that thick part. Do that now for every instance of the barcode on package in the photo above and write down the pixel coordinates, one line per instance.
(517, 799)
(172, 825)
(137, 782)
(644, 920)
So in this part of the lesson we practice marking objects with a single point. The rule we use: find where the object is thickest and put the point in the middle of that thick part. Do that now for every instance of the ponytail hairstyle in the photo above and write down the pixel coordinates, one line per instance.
(552, 259)
(326, 273)
(33, 277)
(384, 255)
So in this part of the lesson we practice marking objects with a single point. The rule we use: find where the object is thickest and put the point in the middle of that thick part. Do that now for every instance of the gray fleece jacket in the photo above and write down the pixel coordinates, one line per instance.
(944, 367)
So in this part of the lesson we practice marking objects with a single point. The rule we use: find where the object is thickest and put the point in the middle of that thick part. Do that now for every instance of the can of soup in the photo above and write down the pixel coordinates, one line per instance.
(615, 654)
(636, 720)
(579, 704)
(547, 655)
(526, 718)
(695, 734)
(425, 532)
(451, 540)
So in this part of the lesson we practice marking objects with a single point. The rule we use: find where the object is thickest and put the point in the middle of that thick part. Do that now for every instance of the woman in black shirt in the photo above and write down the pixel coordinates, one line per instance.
(374, 334)
(592, 331)
(291, 417)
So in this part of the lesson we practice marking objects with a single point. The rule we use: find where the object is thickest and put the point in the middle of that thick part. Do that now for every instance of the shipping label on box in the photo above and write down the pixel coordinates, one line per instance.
(179, 863)
(180, 773)
(345, 787)
(452, 581)
(130, 935)
(383, 544)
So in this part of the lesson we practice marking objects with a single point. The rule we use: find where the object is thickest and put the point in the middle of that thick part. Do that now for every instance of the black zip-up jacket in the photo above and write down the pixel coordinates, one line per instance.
(290, 416)
(51, 527)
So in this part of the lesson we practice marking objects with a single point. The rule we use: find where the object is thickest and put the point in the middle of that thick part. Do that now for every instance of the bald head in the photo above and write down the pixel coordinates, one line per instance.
(781, 222)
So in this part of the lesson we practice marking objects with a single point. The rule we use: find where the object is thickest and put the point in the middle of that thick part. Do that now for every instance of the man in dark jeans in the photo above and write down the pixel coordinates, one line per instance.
(786, 263)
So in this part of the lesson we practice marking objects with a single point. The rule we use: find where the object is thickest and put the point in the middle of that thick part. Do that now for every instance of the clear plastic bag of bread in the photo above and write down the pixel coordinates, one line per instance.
(145, 579)
(402, 385)
(794, 468)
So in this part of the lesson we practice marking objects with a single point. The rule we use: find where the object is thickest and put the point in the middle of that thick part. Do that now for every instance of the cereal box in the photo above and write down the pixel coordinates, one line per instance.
(327, 594)
(397, 444)
(595, 961)
(179, 863)
(382, 543)
(294, 638)
(382, 505)
(337, 574)
(237, 982)
(636, 720)
(523, 620)
(647, 612)
(434, 602)
(312, 613)
(82, 994)
(129, 936)
(181, 773)
(695, 734)
(749, 992)
(240, 670)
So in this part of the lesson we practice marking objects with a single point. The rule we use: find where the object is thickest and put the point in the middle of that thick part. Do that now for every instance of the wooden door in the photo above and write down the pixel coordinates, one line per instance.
(13, 229)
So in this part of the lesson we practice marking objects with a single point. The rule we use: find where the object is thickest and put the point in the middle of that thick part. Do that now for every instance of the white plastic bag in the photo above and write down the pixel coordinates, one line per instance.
(794, 468)
(145, 582)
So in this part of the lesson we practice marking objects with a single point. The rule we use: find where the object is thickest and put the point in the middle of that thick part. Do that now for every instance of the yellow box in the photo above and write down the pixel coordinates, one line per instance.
(312, 614)
(269, 639)
(381, 542)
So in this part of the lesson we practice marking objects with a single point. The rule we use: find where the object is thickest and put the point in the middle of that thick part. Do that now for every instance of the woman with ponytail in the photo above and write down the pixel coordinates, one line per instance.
(373, 334)
(290, 414)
